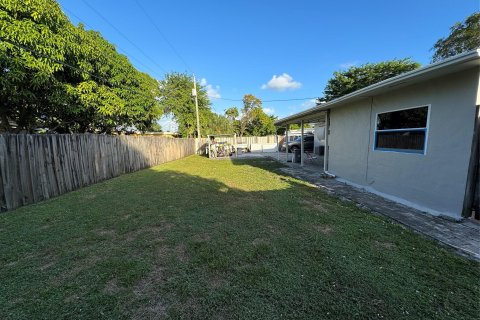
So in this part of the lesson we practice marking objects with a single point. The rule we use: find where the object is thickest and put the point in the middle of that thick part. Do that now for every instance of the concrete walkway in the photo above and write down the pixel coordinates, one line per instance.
(463, 236)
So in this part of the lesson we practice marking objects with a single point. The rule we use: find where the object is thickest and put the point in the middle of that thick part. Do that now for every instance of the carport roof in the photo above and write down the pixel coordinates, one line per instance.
(457, 63)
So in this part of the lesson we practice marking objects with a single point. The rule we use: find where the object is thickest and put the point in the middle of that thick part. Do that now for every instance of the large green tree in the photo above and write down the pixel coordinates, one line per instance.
(176, 99)
(66, 79)
(355, 78)
(261, 124)
(219, 124)
(111, 93)
(250, 102)
(28, 84)
(252, 120)
(464, 36)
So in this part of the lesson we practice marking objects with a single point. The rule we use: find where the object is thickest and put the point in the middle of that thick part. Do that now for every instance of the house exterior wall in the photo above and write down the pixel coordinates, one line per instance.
(348, 141)
(434, 181)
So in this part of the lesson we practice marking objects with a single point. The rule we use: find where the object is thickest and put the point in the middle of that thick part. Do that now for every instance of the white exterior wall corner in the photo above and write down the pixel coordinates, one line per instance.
(434, 182)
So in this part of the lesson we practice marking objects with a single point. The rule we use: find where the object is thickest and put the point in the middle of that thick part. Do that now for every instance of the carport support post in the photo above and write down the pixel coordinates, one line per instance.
(302, 147)
(286, 142)
(235, 144)
(278, 145)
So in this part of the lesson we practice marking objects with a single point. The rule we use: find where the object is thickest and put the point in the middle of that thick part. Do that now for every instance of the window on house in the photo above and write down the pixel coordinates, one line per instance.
(402, 130)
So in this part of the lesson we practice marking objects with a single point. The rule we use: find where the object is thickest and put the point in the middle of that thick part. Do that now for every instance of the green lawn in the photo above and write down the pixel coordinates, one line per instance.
(209, 239)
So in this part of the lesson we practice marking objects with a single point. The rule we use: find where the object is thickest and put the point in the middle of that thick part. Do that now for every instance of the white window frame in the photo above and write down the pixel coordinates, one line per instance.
(424, 152)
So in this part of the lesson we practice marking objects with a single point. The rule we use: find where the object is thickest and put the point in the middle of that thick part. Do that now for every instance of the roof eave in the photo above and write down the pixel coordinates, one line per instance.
(390, 82)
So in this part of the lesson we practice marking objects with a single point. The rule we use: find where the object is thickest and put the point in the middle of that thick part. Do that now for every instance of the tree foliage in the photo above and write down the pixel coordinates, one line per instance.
(464, 36)
(250, 102)
(219, 124)
(62, 77)
(261, 124)
(252, 120)
(232, 113)
(176, 99)
(154, 127)
(355, 78)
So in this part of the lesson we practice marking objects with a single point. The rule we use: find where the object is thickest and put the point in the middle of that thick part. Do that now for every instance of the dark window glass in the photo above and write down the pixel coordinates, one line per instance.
(403, 119)
(403, 130)
(413, 140)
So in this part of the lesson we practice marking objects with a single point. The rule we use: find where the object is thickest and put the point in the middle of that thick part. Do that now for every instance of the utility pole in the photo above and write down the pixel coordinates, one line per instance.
(194, 94)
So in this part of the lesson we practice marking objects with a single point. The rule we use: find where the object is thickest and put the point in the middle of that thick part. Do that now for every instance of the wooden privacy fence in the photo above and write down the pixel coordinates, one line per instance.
(37, 167)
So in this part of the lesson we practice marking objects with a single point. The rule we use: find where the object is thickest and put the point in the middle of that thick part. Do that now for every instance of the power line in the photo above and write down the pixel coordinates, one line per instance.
(105, 80)
(123, 35)
(162, 34)
(172, 47)
(273, 100)
(141, 51)
(119, 48)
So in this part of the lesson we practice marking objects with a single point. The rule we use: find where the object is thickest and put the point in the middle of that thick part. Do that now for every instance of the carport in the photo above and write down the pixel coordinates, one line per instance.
(313, 115)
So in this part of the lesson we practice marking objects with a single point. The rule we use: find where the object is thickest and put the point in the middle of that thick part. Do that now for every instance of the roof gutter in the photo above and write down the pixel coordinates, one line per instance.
(390, 82)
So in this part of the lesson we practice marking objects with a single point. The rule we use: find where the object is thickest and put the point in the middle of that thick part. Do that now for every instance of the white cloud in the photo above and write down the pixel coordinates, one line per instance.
(269, 111)
(281, 83)
(213, 92)
(347, 65)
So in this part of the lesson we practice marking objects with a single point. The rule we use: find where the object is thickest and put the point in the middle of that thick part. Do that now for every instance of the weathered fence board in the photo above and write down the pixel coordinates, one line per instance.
(38, 167)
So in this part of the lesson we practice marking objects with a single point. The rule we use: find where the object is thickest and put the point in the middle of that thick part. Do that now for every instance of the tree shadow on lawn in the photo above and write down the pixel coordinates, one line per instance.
(180, 241)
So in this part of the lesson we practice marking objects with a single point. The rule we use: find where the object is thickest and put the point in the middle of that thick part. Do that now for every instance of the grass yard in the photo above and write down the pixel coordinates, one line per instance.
(203, 239)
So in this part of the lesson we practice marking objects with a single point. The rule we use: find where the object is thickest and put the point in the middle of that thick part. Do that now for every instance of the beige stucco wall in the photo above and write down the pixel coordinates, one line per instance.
(435, 181)
(349, 140)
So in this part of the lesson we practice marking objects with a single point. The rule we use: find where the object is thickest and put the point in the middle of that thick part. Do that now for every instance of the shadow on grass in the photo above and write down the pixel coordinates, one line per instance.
(204, 239)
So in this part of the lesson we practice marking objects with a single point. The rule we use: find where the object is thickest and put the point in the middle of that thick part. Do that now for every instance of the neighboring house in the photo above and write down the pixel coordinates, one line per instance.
(411, 138)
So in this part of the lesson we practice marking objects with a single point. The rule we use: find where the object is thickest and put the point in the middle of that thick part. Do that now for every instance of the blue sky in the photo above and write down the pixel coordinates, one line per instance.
(272, 49)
